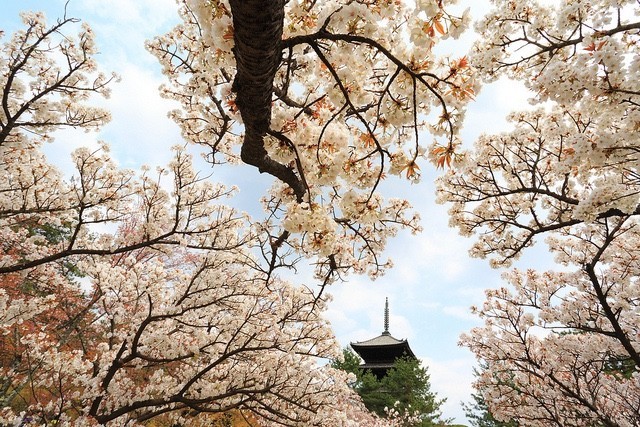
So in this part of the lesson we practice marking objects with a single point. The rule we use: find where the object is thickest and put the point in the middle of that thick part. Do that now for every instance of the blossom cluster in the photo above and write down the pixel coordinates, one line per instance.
(352, 100)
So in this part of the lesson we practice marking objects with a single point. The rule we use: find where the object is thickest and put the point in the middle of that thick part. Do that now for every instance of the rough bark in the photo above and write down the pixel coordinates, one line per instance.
(258, 51)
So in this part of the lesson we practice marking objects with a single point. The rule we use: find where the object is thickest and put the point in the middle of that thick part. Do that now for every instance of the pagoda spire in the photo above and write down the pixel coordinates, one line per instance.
(386, 316)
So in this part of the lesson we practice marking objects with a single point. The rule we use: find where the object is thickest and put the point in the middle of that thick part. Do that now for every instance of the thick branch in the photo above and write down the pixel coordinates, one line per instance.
(258, 51)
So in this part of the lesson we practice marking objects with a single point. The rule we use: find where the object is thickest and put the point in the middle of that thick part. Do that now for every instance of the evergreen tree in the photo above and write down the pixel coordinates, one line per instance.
(405, 389)
(350, 363)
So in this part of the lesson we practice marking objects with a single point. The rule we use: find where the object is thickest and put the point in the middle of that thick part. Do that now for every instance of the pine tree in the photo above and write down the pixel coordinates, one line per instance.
(405, 390)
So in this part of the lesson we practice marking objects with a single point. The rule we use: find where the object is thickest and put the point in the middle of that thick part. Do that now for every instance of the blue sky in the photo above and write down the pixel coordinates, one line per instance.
(434, 281)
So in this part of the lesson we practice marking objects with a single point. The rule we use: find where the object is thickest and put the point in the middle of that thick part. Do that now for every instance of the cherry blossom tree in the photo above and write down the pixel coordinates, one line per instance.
(129, 296)
(328, 97)
(125, 296)
(561, 347)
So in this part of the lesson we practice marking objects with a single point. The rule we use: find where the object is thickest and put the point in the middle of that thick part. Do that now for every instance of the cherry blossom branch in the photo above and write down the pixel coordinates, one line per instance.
(51, 81)
(323, 34)
(619, 333)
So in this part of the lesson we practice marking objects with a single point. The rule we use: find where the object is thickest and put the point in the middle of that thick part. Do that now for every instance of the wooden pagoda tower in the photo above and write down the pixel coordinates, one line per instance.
(380, 353)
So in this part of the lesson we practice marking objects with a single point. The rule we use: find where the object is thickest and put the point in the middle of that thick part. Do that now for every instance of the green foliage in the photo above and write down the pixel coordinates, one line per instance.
(56, 235)
(406, 387)
(350, 363)
(620, 366)
(53, 235)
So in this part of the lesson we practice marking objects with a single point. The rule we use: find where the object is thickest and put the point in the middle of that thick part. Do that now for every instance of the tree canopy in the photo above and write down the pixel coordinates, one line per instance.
(130, 296)
(561, 347)
(404, 392)
(330, 133)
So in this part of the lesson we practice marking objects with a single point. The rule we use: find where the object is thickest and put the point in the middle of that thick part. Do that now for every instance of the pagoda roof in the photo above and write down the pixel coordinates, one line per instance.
(384, 348)
(385, 339)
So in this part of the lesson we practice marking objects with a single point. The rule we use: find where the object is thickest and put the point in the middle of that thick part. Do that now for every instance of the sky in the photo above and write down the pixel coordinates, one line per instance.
(434, 281)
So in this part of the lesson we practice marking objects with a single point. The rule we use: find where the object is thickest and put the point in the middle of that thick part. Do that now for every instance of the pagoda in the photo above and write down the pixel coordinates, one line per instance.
(380, 353)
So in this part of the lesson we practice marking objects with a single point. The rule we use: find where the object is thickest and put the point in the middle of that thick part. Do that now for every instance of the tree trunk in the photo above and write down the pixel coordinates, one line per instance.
(258, 51)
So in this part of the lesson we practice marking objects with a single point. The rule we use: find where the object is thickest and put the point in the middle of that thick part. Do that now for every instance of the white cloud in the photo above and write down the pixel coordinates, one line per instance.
(345, 322)
(65, 142)
(451, 379)
(143, 15)
(400, 327)
(357, 297)
(141, 132)
(123, 26)
(443, 252)
(459, 312)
